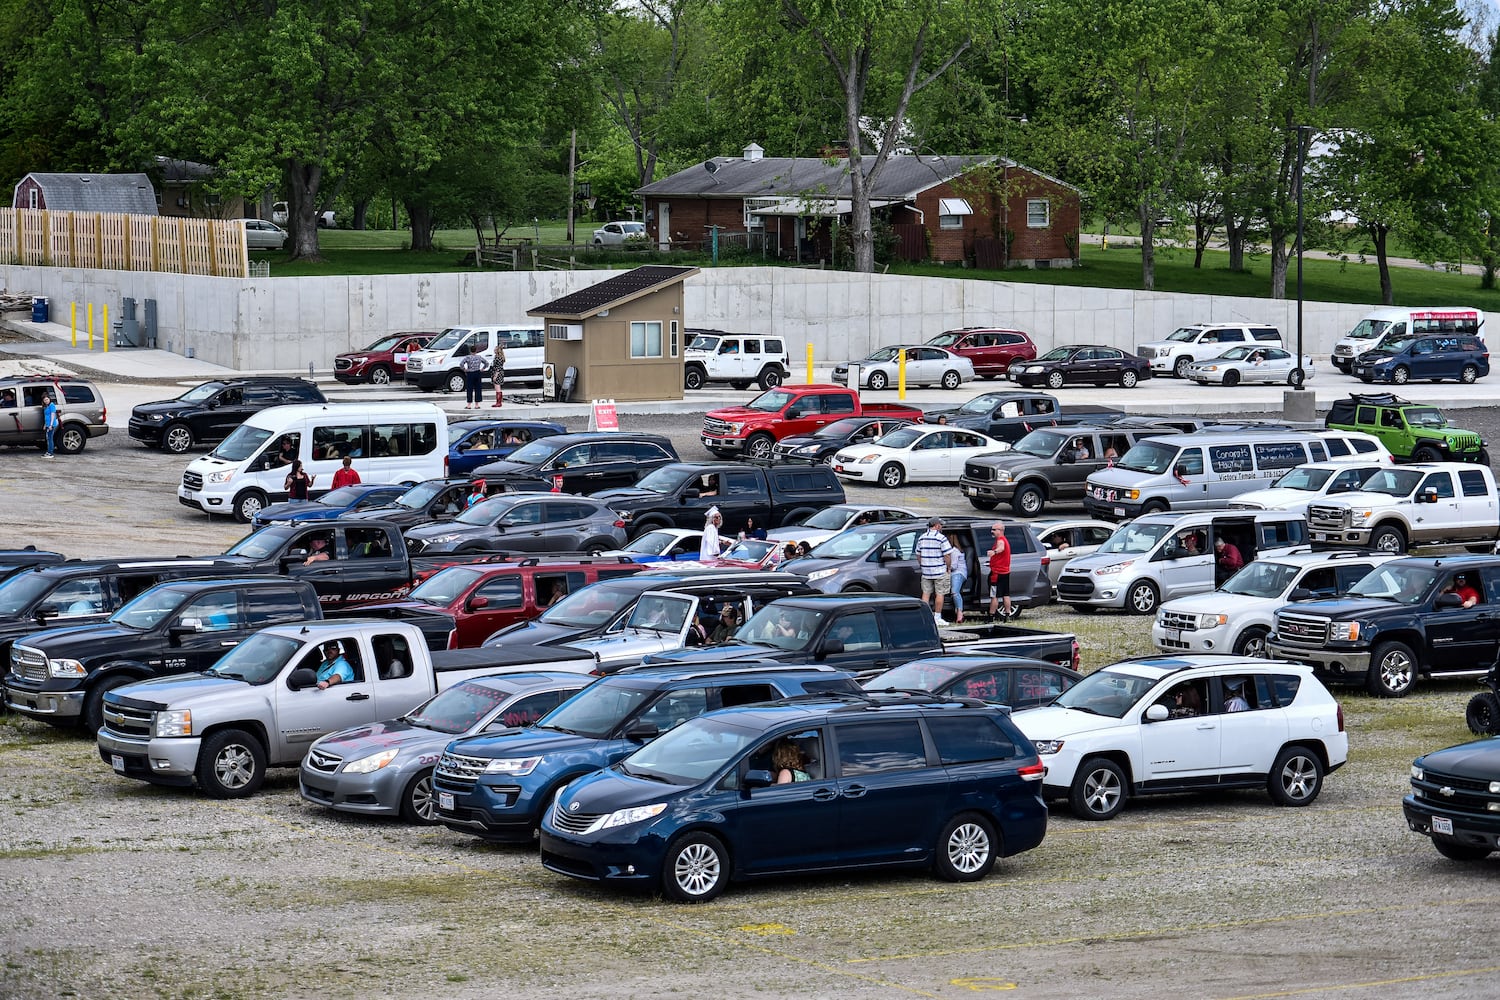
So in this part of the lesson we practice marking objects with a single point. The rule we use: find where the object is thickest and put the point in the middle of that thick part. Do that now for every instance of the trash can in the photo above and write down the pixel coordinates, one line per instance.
(39, 310)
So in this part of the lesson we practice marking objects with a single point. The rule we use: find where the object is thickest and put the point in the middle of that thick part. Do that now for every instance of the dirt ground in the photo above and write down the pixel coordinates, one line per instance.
(119, 890)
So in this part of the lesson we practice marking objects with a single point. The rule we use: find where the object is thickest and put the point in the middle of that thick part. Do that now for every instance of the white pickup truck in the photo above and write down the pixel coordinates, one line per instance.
(1428, 503)
(260, 705)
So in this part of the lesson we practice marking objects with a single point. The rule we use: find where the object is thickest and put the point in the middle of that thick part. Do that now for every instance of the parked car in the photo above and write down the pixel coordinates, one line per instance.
(819, 447)
(924, 366)
(923, 453)
(263, 235)
(1460, 357)
(580, 463)
(1307, 484)
(381, 363)
(739, 359)
(1090, 364)
(1413, 432)
(473, 443)
(681, 495)
(335, 503)
(1187, 723)
(385, 769)
(1455, 800)
(80, 411)
(1253, 363)
(999, 680)
(750, 553)
(213, 410)
(754, 429)
(1399, 322)
(1203, 340)
(524, 522)
(991, 350)
(1064, 539)
(1396, 509)
(663, 545)
(614, 234)
(840, 517)
(15, 560)
(1005, 415)
(700, 806)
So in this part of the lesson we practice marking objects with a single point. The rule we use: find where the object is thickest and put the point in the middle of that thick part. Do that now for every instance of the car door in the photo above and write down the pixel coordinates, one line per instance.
(742, 495)
(305, 714)
(495, 603)
(523, 528)
(205, 629)
(1465, 638)
(787, 827)
(1250, 739)
(891, 799)
(222, 413)
(963, 446)
(1443, 518)
(896, 570)
(927, 459)
(574, 465)
(1182, 571)
(1183, 749)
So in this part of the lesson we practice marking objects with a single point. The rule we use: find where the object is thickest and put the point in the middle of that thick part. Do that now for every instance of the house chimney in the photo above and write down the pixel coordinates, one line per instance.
(753, 152)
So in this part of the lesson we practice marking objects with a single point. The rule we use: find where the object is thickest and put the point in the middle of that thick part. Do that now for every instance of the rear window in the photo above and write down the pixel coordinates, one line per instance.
(1473, 483)
(1286, 686)
(873, 747)
(1265, 333)
(963, 739)
(77, 394)
(269, 607)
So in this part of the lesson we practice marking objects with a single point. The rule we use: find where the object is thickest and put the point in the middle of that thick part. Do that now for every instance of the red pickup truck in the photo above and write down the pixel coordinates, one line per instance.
(753, 429)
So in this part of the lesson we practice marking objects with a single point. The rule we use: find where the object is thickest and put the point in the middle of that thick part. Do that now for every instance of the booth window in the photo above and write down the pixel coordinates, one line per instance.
(645, 340)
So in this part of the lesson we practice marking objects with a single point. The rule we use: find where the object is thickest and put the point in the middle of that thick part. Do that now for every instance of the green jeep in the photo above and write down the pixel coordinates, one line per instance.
(1414, 432)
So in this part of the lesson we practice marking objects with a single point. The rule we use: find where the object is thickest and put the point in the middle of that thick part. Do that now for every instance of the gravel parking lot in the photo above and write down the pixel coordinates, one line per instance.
(121, 890)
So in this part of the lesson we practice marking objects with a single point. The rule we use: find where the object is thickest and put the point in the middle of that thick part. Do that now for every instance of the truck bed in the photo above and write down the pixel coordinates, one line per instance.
(1012, 640)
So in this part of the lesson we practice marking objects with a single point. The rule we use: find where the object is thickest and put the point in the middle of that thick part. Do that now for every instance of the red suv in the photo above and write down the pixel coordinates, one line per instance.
(382, 361)
(992, 349)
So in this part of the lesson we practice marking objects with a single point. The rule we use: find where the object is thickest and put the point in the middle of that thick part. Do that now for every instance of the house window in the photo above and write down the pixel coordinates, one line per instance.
(672, 336)
(951, 212)
(1038, 213)
(645, 340)
(31, 198)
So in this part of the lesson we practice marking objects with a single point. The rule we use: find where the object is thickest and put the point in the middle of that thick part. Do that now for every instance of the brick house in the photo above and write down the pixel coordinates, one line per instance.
(986, 210)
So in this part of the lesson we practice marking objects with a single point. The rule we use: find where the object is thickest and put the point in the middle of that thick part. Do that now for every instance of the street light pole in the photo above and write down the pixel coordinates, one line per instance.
(1302, 131)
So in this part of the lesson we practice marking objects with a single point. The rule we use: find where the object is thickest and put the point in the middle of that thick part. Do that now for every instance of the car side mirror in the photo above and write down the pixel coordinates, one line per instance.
(301, 678)
(478, 603)
(187, 626)
(793, 413)
(1301, 594)
(462, 446)
(831, 646)
(1157, 713)
(1446, 601)
(758, 778)
(691, 494)
(642, 732)
(1428, 496)
(1180, 472)
(887, 555)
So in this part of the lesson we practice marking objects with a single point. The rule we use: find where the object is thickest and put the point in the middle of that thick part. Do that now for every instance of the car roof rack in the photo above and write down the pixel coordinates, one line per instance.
(1379, 398)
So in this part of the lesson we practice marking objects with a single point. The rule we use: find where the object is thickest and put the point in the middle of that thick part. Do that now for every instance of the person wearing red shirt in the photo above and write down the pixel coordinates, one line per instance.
(999, 563)
(1228, 558)
(346, 476)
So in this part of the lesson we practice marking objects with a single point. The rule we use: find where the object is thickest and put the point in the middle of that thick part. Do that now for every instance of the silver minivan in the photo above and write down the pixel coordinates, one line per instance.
(1158, 557)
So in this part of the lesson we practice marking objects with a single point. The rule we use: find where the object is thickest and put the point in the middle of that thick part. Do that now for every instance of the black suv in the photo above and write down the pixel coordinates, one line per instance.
(680, 495)
(60, 675)
(819, 447)
(580, 463)
(209, 412)
(1010, 416)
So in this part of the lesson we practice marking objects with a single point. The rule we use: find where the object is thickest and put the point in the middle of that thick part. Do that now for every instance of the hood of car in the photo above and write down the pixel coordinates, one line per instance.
(185, 690)
(425, 531)
(1479, 760)
(629, 496)
(522, 743)
(732, 413)
(1343, 608)
(606, 791)
(296, 508)
(361, 741)
(1214, 603)
(1358, 499)
(165, 407)
(729, 651)
(535, 633)
(1053, 722)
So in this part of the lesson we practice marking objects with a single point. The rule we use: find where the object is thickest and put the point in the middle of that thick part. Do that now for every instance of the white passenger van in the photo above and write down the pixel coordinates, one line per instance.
(1398, 322)
(436, 366)
(389, 442)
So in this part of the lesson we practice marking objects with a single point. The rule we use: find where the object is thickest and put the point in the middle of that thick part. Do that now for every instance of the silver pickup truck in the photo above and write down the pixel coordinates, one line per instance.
(261, 705)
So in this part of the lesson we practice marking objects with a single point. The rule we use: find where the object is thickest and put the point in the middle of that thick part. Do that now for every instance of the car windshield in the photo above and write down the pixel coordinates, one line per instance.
(703, 342)
(849, 544)
(1106, 692)
(1134, 539)
(653, 543)
(420, 495)
(667, 479)
(840, 428)
(901, 437)
(456, 710)
(1424, 416)
(1186, 335)
(1261, 579)
(386, 343)
(1368, 329)
(199, 393)
(918, 675)
(342, 497)
(243, 442)
(782, 627)
(1042, 444)
(884, 354)
(446, 585)
(1148, 456)
(534, 453)
(1392, 482)
(944, 340)
(979, 405)
(1057, 354)
(689, 753)
(597, 710)
(19, 592)
(148, 610)
(486, 511)
(1237, 353)
(588, 607)
(1395, 343)
(258, 659)
(449, 339)
(261, 544)
(1406, 583)
(829, 518)
(1310, 480)
(750, 550)
(770, 401)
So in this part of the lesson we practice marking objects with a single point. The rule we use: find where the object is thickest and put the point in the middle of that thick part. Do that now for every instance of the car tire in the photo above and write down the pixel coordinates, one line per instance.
(1388, 538)
(1296, 776)
(892, 475)
(770, 378)
(1426, 453)
(71, 439)
(248, 504)
(878, 380)
(1400, 375)
(1468, 375)
(595, 549)
(1180, 367)
(92, 716)
(1029, 501)
(693, 378)
(1142, 598)
(1154, 507)
(176, 438)
(1129, 379)
(231, 765)
(1296, 377)
(1483, 714)
(1393, 670)
(952, 379)
(695, 868)
(1231, 379)
(1484, 456)
(455, 381)
(759, 447)
(380, 375)
(1099, 789)
(855, 588)
(966, 849)
(1252, 642)
(1055, 380)
(979, 504)
(419, 801)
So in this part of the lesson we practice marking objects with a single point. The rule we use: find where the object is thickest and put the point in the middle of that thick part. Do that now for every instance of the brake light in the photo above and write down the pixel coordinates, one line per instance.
(104, 411)
(1032, 772)
(1341, 716)
(445, 466)
(1046, 560)
(453, 638)
(619, 524)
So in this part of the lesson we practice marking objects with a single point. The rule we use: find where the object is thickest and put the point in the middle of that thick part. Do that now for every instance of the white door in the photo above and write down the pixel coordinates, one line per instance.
(929, 457)
(1184, 747)
(664, 225)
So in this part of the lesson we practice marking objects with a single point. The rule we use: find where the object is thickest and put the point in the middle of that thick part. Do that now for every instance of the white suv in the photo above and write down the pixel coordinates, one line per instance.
(1201, 341)
(1308, 483)
(1238, 616)
(1187, 723)
(739, 359)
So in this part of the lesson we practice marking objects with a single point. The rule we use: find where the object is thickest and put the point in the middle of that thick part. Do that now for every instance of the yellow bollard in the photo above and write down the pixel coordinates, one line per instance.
(73, 310)
(91, 326)
(901, 376)
(106, 328)
(809, 362)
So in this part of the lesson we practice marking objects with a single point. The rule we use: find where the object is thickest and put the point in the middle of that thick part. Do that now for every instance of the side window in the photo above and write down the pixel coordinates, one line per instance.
(393, 659)
(908, 628)
(32, 395)
(838, 403)
(857, 631)
(745, 484)
(524, 513)
(75, 597)
(1349, 575)
(1040, 685)
(1241, 694)
(964, 739)
(131, 587)
(903, 544)
(774, 347)
(1442, 482)
(964, 439)
(731, 695)
(501, 592)
(572, 457)
(1315, 449)
(1230, 457)
(1186, 700)
(1322, 581)
(529, 710)
(798, 752)
(1347, 480)
(271, 607)
(1390, 418)
(1279, 534)
(752, 347)
(1472, 481)
(1284, 686)
(234, 396)
(987, 685)
(1190, 462)
(1231, 336)
(1279, 456)
(390, 440)
(1363, 447)
(1019, 538)
(1364, 415)
(875, 747)
(674, 708)
(74, 393)
(367, 543)
(337, 442)
(1337, 447)
(1265, 333)
(218, 612)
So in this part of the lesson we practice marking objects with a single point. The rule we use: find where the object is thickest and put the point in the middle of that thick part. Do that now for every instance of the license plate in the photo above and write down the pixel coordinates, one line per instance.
(971, 491)
(1442, 824)
(838, 468)
(1174, 634)
(1119, 512)
(445, 800)
(117, 762)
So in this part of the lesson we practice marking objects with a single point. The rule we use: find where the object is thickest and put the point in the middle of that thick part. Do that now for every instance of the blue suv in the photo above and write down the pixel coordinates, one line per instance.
(805, 785)
(496, 786)
(1456, 356)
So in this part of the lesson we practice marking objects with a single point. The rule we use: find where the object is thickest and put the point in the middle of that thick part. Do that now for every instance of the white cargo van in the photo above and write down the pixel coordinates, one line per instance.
(436, 366)
(389, 443)
(1371, 330)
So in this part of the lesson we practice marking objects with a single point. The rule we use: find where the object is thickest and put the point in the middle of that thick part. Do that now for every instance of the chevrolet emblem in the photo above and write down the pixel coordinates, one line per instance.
(1446, 790)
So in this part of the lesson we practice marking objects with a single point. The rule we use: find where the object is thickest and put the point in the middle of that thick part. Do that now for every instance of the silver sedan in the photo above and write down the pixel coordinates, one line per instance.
(263, 235)
(1252, 363)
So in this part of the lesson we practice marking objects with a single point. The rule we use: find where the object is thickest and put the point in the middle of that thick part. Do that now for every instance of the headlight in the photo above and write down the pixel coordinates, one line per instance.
(219, 477)
(156, 417)
(65, 668)
(625, 817)
(178, 722)
(1343, 631)
(437, 539)
(734, 428)
(1132, 494)
(1360, 516)
(518, 766)
(1417, 774)
(866, 460)
(1495, 788)
(358, 359)
(806, 449)
(821, 574)
(1047, 746)
(1114, 568)
(374, 762)
(1034, 369)
(1002, 477)
(1212, 621)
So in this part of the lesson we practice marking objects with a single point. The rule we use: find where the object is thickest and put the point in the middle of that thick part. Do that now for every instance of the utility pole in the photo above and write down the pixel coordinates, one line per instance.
(572, 161)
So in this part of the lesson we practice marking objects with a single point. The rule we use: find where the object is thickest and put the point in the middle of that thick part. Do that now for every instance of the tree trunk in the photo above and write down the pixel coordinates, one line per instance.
(421, 225)
(302, 181)
(1148, 248)
(1234, 235)
(1489, 254)
(1279, 256)
(361, 207)
(1378, 234)
(1201, 234)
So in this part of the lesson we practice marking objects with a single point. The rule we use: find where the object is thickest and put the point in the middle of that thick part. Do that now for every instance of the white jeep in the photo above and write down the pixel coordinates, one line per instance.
(739, 359)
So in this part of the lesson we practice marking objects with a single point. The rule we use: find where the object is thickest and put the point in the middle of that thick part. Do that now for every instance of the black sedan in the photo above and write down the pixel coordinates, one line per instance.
(820, 446)
(1001, 680)
(1090, 364)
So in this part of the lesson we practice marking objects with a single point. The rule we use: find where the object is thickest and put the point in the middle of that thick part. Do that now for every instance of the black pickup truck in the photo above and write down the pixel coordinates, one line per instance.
(1399, 622)
(679, 495)
(60, 675)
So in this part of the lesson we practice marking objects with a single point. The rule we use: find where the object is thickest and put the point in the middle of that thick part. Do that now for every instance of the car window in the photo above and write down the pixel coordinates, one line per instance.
(523, 513)
(986, 685)
(674, 708)
(74, 393)
(1189, 463)
(743, 484)
(839, 403)
(217, 612)
(1472, 481)
(857, 631)
(75, 597)
(1285, 687)
(528, 711)
(501, 592)
(1322, 581)
(903, 544)
(1441, 482)
(270, 607)
(572, 457)
(876, 747)
(963, 739)
(908, 628)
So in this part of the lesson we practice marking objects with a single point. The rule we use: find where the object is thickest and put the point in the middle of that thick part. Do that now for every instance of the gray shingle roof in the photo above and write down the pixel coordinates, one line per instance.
(131, 194)
(611, 291)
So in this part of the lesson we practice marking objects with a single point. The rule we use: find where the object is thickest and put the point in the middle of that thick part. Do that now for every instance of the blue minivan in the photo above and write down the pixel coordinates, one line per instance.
(497, 785)
(1462, 357)
(805, 785)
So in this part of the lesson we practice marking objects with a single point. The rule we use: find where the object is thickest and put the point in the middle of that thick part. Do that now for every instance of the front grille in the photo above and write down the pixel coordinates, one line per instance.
(1076, 586)
(1343, 351)
(456, 769)
(1464, 442)
(1105, 493)
(1179, 620)
(1302, 630)
(713, 425)
(28, 663)
(572, 822)
(342, 364)
(413, 364)
(978, 473)
(127, 722)
(323, 761)
(1148, 353)
(193, 481)
(1470, 795)
(1325, 517)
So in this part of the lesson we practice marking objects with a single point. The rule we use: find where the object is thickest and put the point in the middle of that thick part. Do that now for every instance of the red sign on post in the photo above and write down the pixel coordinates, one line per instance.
(603, 417)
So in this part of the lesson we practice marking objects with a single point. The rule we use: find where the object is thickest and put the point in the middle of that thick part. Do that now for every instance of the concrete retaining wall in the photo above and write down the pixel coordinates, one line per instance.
(289, 323)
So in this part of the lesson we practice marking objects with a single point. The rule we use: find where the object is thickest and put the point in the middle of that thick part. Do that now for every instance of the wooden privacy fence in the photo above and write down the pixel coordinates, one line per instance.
(123, 242)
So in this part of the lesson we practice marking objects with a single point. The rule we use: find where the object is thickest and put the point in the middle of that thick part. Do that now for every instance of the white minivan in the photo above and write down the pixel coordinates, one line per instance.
(1397, 322)
(437, 366)
(389, 443)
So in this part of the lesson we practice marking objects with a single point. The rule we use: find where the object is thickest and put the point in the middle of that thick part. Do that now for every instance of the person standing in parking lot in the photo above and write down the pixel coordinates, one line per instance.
(999, 559)
(49, 423)
(932, 560)
(497, 375)
(346, 476)
(473, 368)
